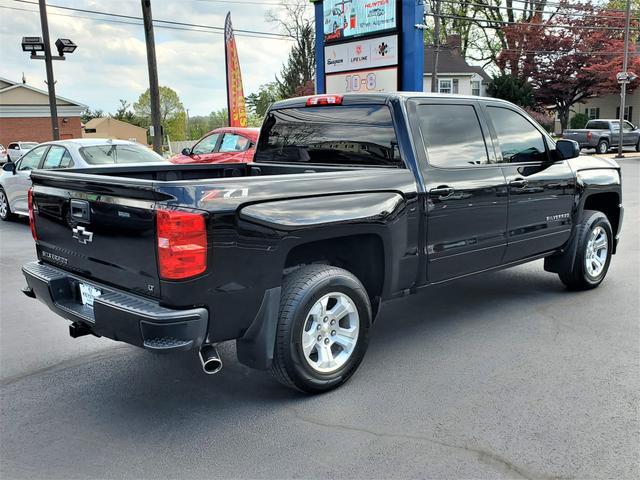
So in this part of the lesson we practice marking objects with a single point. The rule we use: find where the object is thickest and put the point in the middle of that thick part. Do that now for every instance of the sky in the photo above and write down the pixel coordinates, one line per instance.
(110, 61)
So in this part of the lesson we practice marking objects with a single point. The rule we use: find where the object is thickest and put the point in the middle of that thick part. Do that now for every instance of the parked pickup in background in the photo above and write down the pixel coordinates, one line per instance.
(351, 201)
(603, 134)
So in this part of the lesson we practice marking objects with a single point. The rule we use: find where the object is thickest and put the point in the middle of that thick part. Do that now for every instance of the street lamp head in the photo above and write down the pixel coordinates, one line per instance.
(32, 44)
(64, 45)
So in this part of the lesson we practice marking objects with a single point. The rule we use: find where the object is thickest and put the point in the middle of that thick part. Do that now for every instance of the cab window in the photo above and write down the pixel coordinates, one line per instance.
(206, 145)
(31, 159)
(57, 157)
(452, 135)
(519, 140)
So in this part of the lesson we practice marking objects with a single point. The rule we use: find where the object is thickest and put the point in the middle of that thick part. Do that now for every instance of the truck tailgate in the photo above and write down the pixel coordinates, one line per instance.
(108, 237)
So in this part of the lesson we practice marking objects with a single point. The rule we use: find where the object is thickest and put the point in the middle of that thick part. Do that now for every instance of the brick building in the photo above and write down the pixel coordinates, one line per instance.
(25, 114)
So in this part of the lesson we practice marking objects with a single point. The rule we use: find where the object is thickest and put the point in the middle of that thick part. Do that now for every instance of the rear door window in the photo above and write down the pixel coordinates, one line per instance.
(597, 125)
(452, 135)
(57, 157)
(335, 135)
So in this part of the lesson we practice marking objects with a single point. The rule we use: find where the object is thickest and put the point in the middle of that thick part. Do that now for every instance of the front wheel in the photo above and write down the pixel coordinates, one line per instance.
(323, 328)
(593, 255)
(602, 147)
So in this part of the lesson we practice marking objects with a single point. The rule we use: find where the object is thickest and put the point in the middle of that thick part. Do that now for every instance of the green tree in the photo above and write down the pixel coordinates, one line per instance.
(296, 20)
(125, 113)
(511, 88)
(89, 114)
(172, 114)
(219, 118)
(259, 102)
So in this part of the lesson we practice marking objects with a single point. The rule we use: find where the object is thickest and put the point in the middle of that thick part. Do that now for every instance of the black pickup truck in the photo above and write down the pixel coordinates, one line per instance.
(351, 201)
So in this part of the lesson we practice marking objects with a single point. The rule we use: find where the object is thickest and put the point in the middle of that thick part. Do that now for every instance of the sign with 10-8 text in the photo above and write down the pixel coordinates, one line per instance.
(363, 81)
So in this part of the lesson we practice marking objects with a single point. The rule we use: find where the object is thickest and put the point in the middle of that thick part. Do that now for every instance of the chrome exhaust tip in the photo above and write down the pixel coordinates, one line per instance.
(210, 359)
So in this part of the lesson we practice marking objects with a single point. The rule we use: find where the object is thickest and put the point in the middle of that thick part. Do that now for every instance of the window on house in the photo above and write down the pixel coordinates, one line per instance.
(456, 86)
(628, 112)
(444, 85)
(475, 87)
(90, 130)
(593, 113)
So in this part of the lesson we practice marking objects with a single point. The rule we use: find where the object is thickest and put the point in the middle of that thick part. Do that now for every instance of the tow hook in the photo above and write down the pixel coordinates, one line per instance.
(79, 330)
(28, 291)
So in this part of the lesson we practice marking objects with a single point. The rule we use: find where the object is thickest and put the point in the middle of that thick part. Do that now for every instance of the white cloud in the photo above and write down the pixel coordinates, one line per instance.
(110, 62)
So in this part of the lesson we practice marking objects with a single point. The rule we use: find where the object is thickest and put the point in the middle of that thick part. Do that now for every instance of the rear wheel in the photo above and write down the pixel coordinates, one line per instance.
(602, 147)
(323, 328)
(638, 146)
(5, 208)
(593, 254)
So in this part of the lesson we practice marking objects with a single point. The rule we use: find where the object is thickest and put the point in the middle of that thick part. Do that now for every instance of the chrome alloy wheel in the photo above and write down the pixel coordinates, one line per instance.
(595, 257)
(4, 205)
(330, 332)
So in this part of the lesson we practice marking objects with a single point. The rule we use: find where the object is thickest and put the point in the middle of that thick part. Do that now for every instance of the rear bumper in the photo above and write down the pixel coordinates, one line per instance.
(116, 314)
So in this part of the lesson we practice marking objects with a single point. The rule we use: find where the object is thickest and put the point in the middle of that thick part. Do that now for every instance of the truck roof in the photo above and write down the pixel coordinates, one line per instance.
(380, 98)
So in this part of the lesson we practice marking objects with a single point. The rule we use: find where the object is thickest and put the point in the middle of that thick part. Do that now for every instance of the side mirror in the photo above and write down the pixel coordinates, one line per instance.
(9, 167)
(186, 151)
(567, 149)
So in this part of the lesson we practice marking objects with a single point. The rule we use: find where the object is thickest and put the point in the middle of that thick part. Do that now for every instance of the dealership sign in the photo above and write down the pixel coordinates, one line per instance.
(352, 18)
(363, 81)
(360, 54)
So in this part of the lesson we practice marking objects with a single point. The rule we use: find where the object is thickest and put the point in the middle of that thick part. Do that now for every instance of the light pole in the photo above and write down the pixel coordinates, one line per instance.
(624, 77)
(154, 89)
(37, 44)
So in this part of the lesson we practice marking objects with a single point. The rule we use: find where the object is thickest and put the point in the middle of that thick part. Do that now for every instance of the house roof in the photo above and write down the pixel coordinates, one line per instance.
(95, 122)
(7, 85)
(450, 62)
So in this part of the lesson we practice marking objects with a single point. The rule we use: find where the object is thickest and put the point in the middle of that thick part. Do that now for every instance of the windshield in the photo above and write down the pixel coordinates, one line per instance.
(337, 135)
(118, 153)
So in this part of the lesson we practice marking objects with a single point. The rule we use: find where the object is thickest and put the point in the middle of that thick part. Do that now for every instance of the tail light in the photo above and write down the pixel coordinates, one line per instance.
(589, 135)
(182, 244)
(32, 222)
(324, 100)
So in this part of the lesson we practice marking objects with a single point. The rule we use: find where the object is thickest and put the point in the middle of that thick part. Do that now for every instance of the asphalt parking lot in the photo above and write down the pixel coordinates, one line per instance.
(504, 375)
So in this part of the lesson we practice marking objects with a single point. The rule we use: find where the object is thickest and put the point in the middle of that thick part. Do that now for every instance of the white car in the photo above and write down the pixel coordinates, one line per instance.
(15, 177)
(3, 154)
(16, 150)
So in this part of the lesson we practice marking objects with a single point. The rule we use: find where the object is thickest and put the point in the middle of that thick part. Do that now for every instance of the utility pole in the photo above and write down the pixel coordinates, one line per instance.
(154, 90)
(623, 86)
(48, 60)
(436, 48)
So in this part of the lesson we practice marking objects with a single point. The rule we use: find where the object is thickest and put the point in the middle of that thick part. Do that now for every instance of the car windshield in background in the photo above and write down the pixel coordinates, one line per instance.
(118, 153)
(337, 135)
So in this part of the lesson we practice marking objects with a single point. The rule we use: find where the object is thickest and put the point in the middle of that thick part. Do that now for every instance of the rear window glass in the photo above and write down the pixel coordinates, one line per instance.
(336, 135)
(598, 125)
(107, 154)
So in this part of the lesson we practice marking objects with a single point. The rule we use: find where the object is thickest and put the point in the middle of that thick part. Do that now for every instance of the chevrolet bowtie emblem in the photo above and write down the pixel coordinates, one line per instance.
(82, 235)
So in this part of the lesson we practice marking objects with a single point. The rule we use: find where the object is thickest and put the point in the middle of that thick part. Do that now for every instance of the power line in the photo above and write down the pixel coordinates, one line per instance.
(539, 25)
(542, 12)
(131, 17)
(568, 5)
(122, 22)
(560, 52)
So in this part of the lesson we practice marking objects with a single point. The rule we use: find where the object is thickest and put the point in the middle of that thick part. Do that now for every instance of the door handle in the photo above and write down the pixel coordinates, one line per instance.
(441, 191)
(518, 183)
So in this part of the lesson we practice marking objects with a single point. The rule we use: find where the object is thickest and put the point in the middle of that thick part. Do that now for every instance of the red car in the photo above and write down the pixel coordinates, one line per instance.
(222, 145)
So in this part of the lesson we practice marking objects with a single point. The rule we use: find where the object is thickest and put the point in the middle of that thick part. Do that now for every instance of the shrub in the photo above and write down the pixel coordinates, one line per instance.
(579, 120)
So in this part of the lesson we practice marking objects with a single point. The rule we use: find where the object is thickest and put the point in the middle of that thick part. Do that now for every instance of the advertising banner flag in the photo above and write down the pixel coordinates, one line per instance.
(235, 93)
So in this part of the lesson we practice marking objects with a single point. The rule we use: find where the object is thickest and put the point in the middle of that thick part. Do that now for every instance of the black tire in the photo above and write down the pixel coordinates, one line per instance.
(5, 213)
(579, 277)
(301, 290)
(638, 146)
(602, 147)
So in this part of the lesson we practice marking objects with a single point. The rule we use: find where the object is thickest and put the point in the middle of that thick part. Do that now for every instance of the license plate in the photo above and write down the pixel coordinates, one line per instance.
(88, 294)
